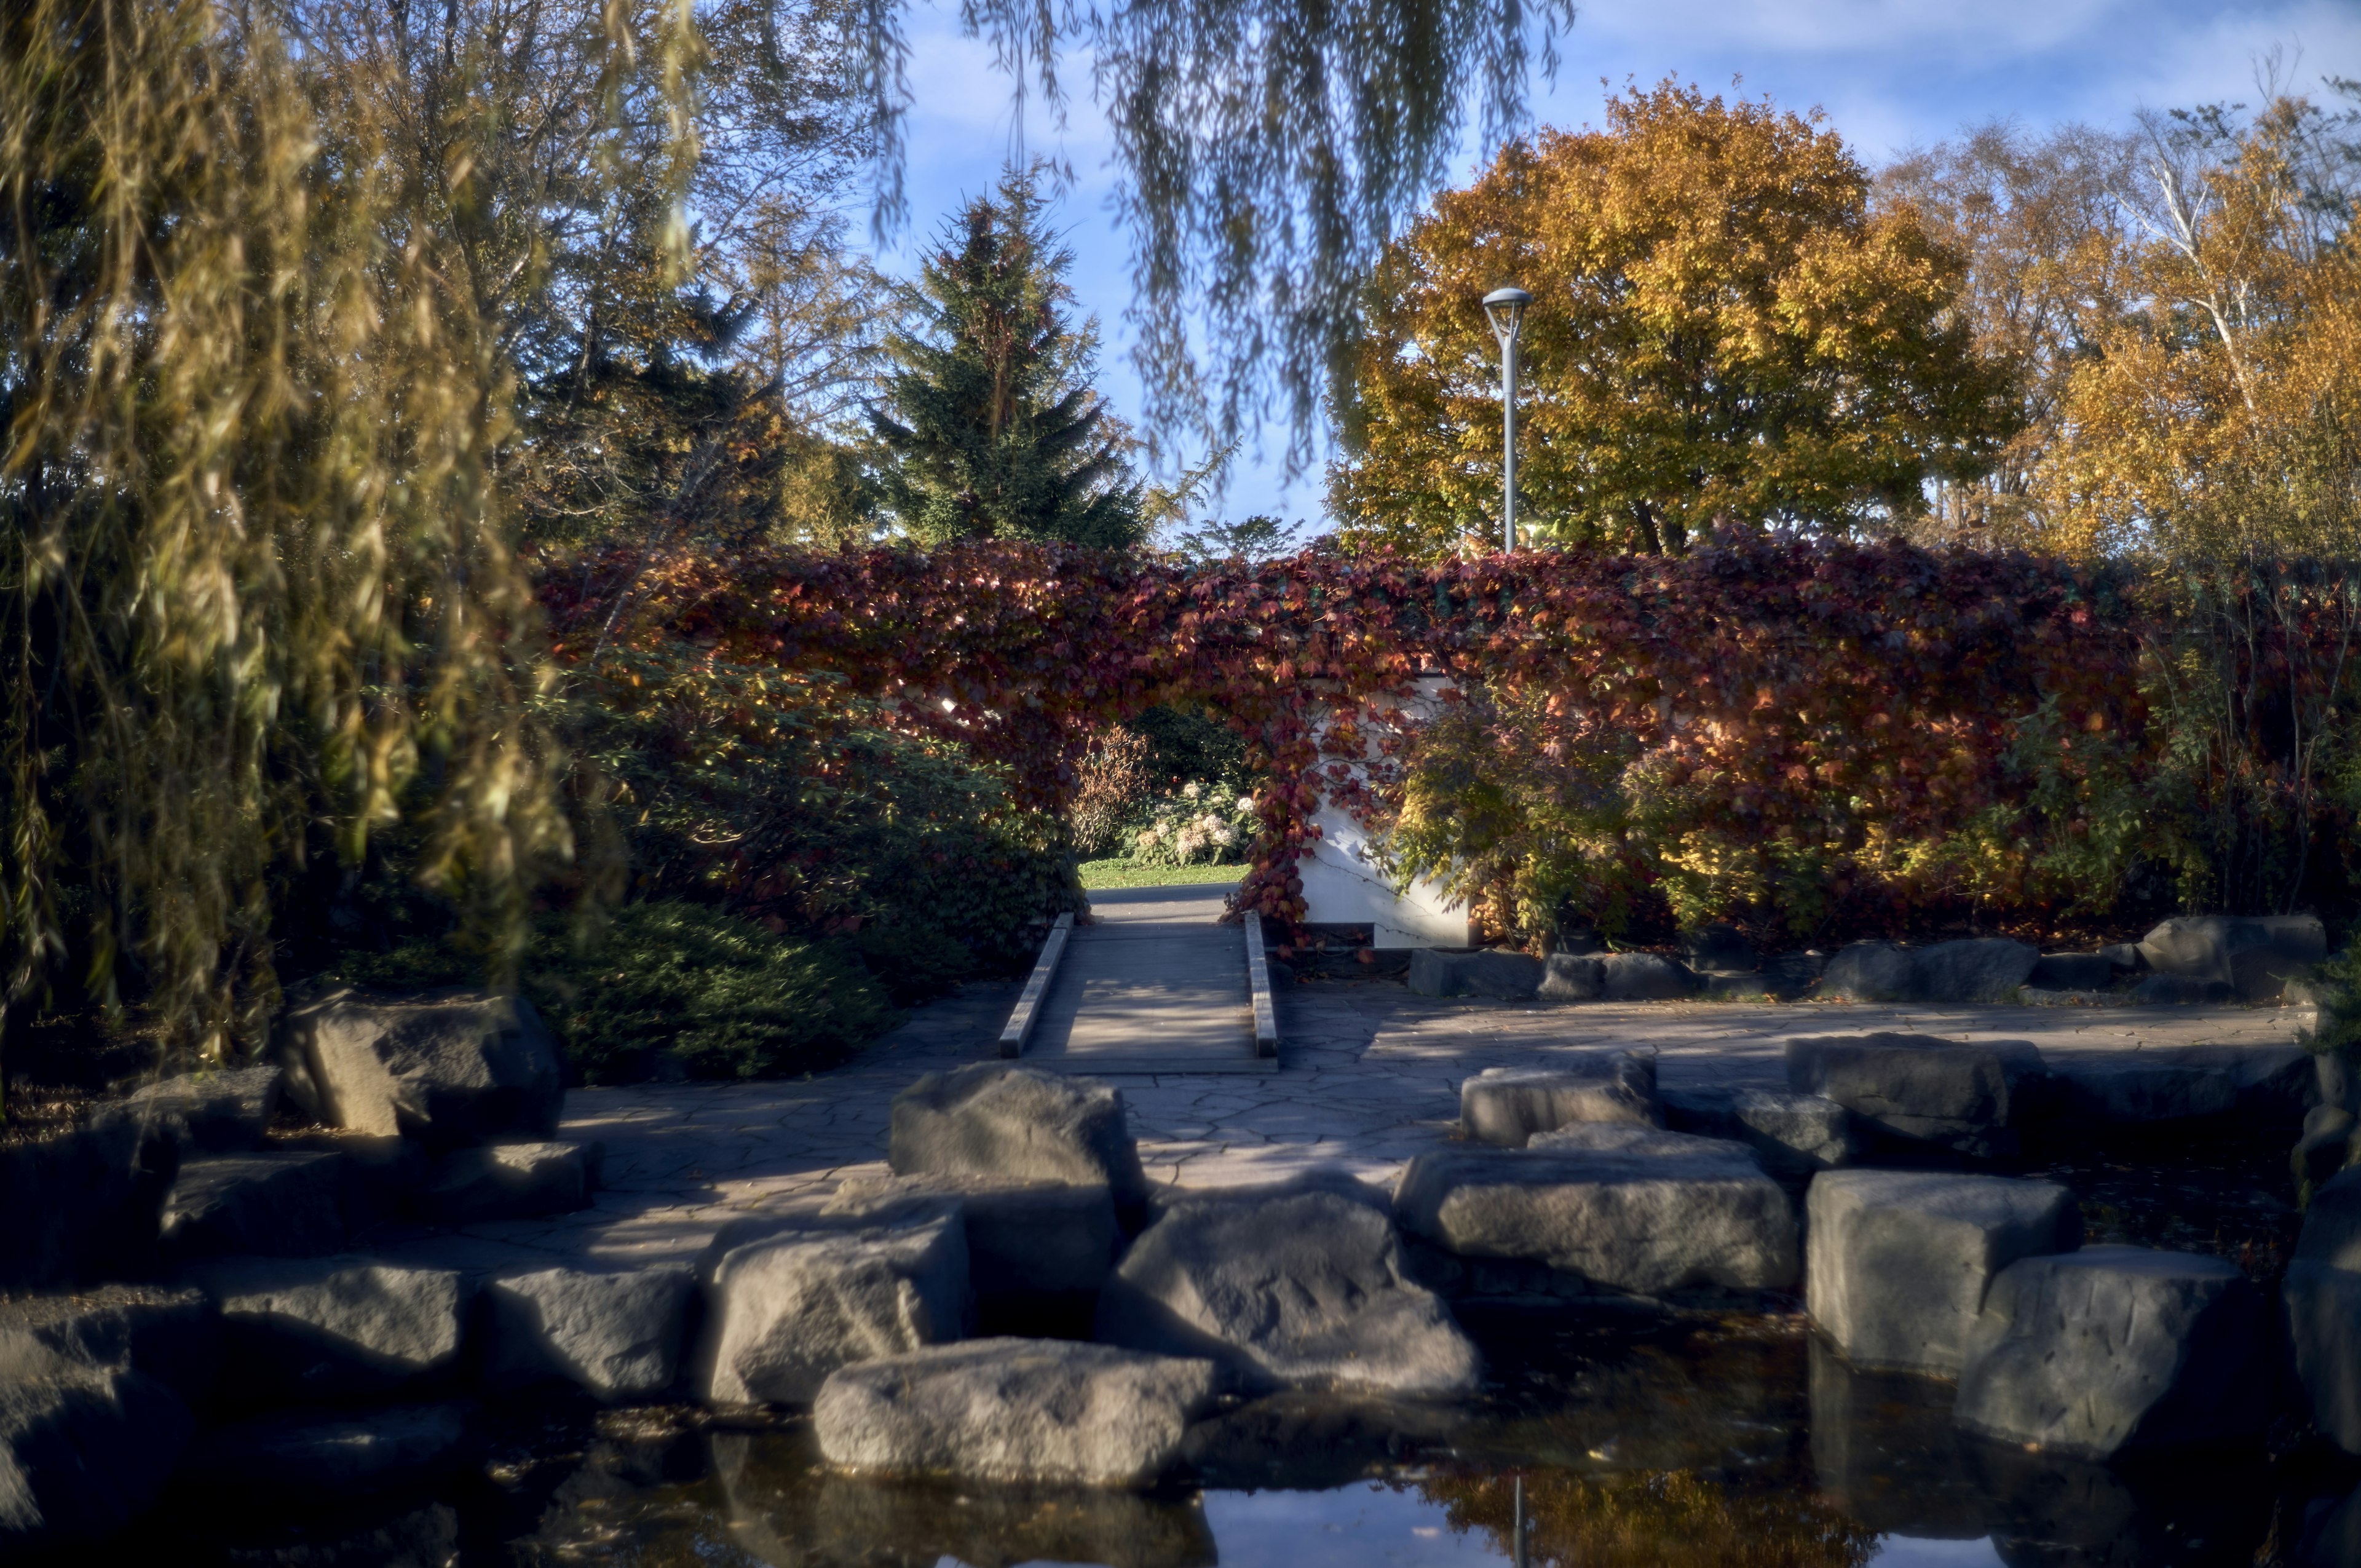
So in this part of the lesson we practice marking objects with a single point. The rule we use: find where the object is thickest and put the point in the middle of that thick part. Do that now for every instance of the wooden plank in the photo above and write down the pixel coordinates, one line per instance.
(1266, 1014)
(1028, 1012)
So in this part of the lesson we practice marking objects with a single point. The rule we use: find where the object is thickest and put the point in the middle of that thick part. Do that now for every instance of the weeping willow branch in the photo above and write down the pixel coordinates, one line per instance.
(257, 601)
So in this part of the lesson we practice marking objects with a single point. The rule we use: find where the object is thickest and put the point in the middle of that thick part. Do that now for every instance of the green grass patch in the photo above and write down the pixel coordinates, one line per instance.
(1128, 874)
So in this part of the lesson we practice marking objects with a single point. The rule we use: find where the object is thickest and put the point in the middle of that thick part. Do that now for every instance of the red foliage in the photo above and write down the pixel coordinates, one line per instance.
(1768, 671)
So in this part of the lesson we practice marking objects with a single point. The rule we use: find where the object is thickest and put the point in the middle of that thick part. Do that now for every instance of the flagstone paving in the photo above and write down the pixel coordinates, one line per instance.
(1369, 1077)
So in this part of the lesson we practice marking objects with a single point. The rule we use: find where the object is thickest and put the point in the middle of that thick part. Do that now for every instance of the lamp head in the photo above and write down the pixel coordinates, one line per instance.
(1506, 310)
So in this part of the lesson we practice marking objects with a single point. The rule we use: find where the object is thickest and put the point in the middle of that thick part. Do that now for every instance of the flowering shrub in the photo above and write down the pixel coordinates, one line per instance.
(1199, 826)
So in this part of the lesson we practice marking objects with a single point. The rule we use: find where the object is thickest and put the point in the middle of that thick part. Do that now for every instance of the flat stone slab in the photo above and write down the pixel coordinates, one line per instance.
(1899, 1261)
(220, 1112)
(1640, 1219)
(1793, 1135)
(1015, 1410)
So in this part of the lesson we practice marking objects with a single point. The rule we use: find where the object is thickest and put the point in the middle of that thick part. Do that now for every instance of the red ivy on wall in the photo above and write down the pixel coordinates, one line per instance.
(1768, 671)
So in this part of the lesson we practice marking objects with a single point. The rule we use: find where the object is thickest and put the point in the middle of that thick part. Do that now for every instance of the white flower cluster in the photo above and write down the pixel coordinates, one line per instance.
(1198, 827)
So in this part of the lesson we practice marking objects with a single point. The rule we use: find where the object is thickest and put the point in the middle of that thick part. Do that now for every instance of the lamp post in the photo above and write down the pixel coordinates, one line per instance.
(1505, 309)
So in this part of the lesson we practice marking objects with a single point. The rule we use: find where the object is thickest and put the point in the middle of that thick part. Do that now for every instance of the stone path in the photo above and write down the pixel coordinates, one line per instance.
(1369, 1076)
(1154, 982)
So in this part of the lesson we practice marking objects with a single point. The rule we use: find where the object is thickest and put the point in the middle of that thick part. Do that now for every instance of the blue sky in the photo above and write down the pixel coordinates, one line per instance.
(1890, 74)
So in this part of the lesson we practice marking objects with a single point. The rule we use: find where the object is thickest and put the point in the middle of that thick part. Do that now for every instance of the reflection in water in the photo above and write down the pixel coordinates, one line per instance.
(1696, 1444)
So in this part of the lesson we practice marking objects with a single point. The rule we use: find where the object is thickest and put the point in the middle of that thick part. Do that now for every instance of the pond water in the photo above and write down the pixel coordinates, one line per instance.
(1720, 1442)
(1625, 1439)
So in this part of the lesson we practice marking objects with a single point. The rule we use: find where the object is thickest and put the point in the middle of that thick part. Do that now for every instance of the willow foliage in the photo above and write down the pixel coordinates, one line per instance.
(256, 598)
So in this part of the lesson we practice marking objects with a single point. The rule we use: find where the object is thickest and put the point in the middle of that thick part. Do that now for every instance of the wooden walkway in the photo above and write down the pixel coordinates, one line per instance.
(1152, 983)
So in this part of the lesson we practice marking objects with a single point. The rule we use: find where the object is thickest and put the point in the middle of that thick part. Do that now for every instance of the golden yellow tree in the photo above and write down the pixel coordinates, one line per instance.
(2219, 416)
(1723, 332)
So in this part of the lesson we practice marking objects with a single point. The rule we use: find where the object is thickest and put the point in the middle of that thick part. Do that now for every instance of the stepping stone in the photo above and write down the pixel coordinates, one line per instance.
(1015, 1410)
(450, 1068)
(1625, 1219)
(614, 1335)
(1017, 1124)
(2323, 1298)
(511, 1182)
(1505, 1106)
(1503, 976)
(1028, 1243)
(1900, 1260)
(2116, 1349)
(1643, 977)
(334, 1328)
(1288, 1288)
(83, 1450)
(1793, 1135)
(218, 1113)
(169, 1332)
(786, 1308)
(1922, 1089)
(277, 1205)
(319, 1456)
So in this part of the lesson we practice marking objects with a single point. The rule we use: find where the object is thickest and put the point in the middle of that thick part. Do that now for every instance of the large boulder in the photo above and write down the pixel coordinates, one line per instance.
(786, 1306)
(1570, 977)
(1637, 1211)
(171, 1333)
(1981, 969)
(2324, 1326)
(2322, 1295)
(1019, 1123)
(449, 1067)
(1900, 1261)
(1504, 1106)
(85, 1204)
(2254, 956)
(1503, 976)
(1870, 972)
(335, 1327)
(1015, 1410)
(1644, 977)
(219, 1111)
(83, 1450)
(1793, 1135)
(1032, 1247)
(1288, 1288)
(511, 1182)
(1921, 1089)
(319, 1456)
(277, 1205)
(616, 1334)
(2113, 1349)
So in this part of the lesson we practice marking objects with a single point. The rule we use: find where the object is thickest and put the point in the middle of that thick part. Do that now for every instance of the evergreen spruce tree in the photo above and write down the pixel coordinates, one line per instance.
(991, 424)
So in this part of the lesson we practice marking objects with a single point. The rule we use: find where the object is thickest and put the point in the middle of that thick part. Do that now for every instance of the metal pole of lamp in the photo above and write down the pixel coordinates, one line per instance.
(1505, 309)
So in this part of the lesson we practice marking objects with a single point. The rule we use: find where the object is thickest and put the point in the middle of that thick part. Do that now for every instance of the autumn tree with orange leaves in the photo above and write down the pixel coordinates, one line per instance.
(1724, 331)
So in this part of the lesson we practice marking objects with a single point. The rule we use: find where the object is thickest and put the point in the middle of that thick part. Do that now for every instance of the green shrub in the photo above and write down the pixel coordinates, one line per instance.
(672, 981)
(782, 799)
